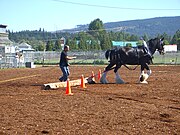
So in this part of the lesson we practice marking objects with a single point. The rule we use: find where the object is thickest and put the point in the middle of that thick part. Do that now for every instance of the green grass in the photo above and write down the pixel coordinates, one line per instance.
(166, 59)
(158, 59)
(75, 61)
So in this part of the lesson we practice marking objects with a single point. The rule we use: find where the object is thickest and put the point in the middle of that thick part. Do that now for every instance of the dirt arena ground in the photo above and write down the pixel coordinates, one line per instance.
(101, 109)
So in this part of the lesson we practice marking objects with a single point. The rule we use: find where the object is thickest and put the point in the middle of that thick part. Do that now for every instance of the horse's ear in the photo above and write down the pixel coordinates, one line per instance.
(162, 39)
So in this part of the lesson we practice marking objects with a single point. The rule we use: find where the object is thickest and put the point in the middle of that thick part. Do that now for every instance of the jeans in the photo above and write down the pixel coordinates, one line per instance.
(65, 70)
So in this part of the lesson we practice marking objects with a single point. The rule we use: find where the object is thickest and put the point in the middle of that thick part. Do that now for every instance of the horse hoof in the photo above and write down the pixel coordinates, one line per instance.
(143, 77)
(143, 82)
(120, 82)
(104, 81)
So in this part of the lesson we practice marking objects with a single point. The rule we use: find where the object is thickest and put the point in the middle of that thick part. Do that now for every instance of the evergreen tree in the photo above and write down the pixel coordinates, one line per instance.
(58, 45)
(82, 44)
(128, 45)
(127, 37)
(96, 25)
(98, 46)
(145, 37)
(49, 46)
(176, 39)
(178, 43)
(95, 39)
(134, 37)
(96, 29)
(41, 46)
(166, 37)
(74, 44)
(105, 42)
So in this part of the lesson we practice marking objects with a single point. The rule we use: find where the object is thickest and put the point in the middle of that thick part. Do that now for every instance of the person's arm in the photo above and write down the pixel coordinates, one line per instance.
(70, 58)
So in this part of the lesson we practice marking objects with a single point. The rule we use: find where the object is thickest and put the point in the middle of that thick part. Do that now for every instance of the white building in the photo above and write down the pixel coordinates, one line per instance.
(170, 48)
(13, 54)
(63, 42)
(24, 47)
(4, 40)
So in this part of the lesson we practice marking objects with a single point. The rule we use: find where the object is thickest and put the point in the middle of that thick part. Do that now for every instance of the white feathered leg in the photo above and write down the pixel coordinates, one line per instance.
(143, 77)
(118, 79)
(103, 78)
(149, 72)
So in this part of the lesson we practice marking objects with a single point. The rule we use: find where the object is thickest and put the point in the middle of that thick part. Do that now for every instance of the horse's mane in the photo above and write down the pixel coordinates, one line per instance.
(153, 39)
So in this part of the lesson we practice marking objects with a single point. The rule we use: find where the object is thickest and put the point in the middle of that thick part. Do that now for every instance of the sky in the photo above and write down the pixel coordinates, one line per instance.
(55, 15)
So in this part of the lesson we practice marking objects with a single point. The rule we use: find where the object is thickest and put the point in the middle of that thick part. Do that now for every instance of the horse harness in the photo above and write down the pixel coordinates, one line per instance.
(117, 58)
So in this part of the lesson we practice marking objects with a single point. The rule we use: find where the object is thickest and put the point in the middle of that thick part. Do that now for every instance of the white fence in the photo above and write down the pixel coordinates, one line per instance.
(90, 57)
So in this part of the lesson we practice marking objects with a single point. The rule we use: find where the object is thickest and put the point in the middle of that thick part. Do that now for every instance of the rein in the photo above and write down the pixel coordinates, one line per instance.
(131, 68)
(114, 68)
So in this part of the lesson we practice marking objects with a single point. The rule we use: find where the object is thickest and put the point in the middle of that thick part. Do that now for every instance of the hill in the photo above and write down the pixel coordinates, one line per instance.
(152, 26)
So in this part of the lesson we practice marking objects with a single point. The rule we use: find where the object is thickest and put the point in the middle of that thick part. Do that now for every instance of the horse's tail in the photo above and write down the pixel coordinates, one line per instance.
(107, 54)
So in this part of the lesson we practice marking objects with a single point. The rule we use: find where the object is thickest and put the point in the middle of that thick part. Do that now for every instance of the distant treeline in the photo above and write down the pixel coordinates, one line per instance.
(95, 38)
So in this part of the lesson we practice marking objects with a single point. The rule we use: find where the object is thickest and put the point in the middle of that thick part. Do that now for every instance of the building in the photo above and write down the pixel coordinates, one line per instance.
(7, 49)
(24, 47)
(4, 39)
(13, 54)
(170, 48)
(124, 43)
(63, 42)
(27, 54)
(6, 46)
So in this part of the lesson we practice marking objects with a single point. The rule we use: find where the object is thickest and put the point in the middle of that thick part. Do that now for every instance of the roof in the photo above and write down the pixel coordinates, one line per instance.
(3, 26)
(124, 43)
(5, 40)
(25, 47)
(62, 38)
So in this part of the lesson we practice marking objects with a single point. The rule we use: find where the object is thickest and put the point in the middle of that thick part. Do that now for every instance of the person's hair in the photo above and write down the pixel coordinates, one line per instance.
(66, 46)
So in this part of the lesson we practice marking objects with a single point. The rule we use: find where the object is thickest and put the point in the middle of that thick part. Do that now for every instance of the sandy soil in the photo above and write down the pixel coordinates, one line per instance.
(101, 109)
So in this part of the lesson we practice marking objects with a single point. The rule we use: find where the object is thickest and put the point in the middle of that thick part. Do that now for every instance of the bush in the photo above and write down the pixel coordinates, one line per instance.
(99, 62)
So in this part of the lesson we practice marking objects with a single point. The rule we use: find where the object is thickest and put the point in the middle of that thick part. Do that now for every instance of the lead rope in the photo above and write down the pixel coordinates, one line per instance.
(131, 68)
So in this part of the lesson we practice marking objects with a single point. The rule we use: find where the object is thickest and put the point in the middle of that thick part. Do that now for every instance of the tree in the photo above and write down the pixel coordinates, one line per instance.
(176, 39)
(166, 42)
(128, 45)
(57, 45)
(139, 43)
(105, 42)
(82, 38)
(49, 46)
(134, 37)
(82, 44)
(97, 24)
(145, 37)
(178, 43)
(41, 46)
(96, 29)
(74, 44)
(38, 45)
(166, 37)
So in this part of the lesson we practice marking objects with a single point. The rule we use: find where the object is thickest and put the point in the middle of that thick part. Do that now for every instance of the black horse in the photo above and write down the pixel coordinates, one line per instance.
(132, 56)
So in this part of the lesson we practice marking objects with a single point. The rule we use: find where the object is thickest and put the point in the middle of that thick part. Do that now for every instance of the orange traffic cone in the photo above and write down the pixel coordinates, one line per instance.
(68, 88)
(83, 82)
(99, 74)
(93, 77)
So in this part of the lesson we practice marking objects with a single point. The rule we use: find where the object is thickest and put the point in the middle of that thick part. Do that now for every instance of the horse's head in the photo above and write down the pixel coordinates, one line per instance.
(156, 44)
(160, 46)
